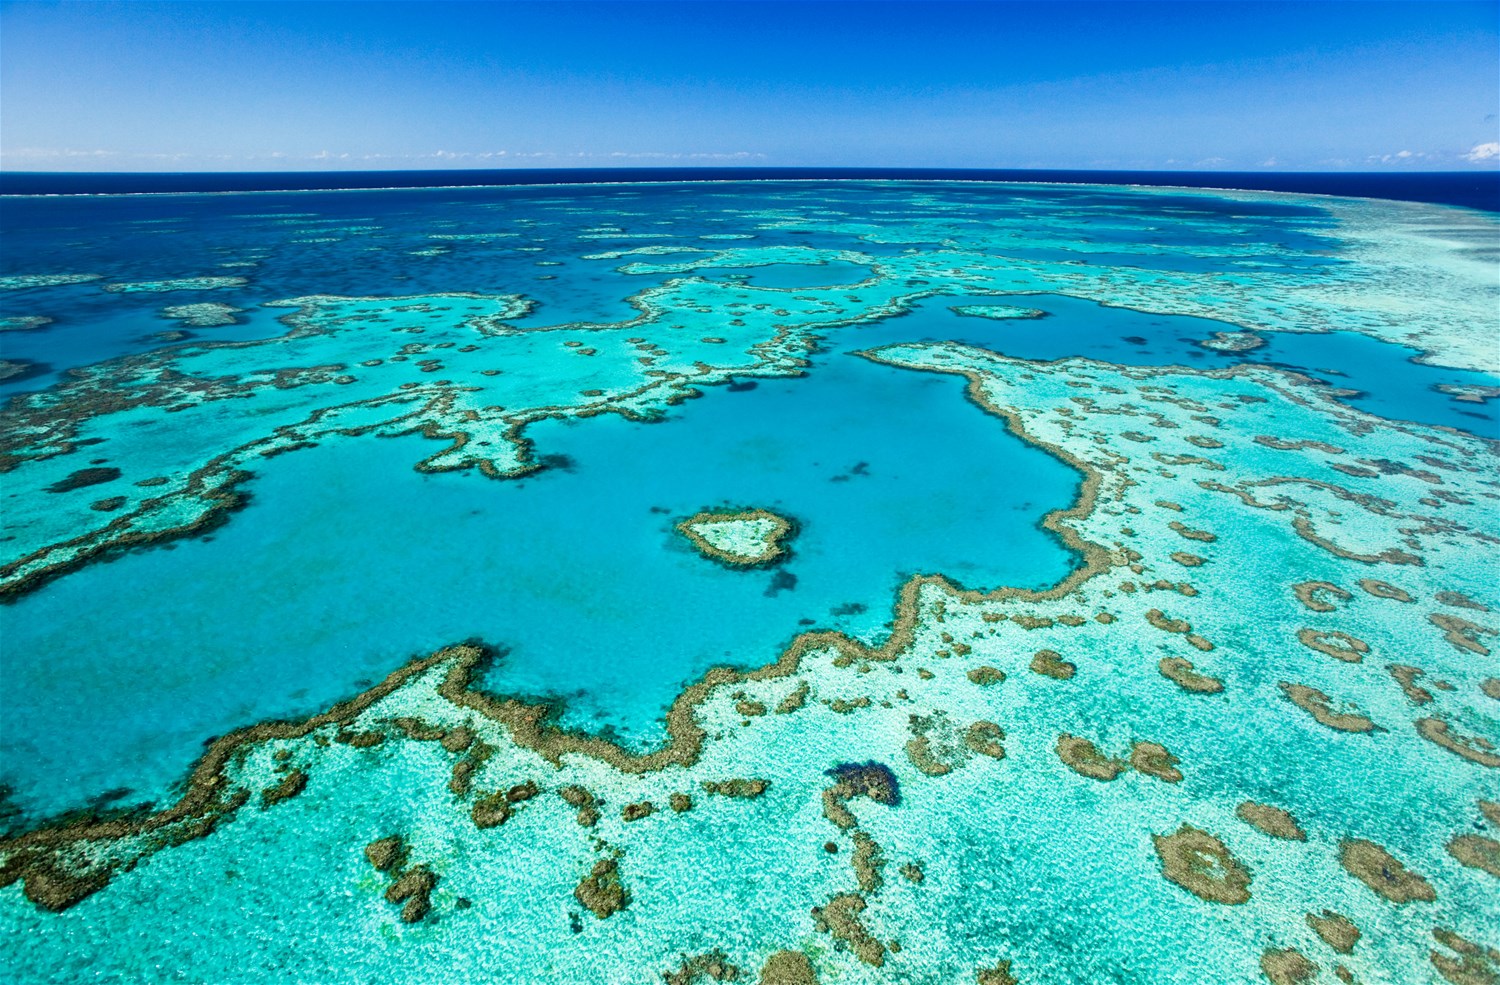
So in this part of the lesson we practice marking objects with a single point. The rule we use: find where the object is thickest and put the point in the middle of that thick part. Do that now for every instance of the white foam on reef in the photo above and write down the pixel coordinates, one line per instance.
(175, 284)
(998, 312)
(23, 323)
(205, 314)
(18, 282)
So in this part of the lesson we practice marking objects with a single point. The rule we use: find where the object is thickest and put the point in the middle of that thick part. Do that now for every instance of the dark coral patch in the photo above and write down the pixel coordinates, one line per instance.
(602, 892)
(1201, 863)
(873, 780)
(84, 477)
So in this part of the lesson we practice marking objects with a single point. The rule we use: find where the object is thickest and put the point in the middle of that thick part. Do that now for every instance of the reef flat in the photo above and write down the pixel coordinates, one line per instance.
(1017, 654)
(742, 538)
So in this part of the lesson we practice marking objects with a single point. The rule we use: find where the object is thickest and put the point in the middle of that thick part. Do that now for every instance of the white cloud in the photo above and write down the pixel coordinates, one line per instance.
(1484, 152)
(1269, 162)
(45, 152)
(698, 156)
(1402, 157)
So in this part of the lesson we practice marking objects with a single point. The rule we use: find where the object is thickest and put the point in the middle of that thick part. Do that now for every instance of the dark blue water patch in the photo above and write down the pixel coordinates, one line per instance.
(91, 330)
(1478, 189)
(522, 239)
(876, 781)
(1070, 327)
(1384, 376)
(1387, 379)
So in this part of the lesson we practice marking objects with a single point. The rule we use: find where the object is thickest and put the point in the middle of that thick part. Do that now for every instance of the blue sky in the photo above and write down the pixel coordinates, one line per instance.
(1128, 84)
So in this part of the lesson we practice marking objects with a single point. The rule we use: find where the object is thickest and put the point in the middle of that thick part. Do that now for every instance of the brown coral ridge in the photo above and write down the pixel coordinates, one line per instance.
(1203, 865)
(1462, 633)
(1153, 759)
(1316, 704)
(585, 802)
(783, 531)
(985, 738)
(713, 966)
(496, 808)
(84, 478)
(874, 781)
(1406, 676)
(1316, 594)
(1474, 748)
(290, 786)
(1337, 930)
(839, 917)
(1477, 852)
(1281, 444)
(1385, 590)
(1383, 872)
(602, 892)
(1270, 820)
(410, 886)
(413, 888)
(221, 498)
(787, 968)
(1161, 621)
(998, 975)
(1475, 964)
(868, 862)
(1460, 601)
(387, 854)
(1202, 536)
(1084, 758)
(1181, 672)
(933, 758)
(794, 700)
(986, 675)
(737, 787)
(1287, 966)
(1050, 663)
(1334, 643)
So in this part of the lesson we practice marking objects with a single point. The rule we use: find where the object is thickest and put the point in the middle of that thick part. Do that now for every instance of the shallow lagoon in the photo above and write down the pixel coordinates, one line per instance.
(577, 572)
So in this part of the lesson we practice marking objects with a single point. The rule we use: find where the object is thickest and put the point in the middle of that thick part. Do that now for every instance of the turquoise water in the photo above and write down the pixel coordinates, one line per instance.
(479, 414)
(577, 572)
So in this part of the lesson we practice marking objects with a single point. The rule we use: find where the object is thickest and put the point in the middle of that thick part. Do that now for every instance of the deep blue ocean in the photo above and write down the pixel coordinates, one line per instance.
(1470, 189)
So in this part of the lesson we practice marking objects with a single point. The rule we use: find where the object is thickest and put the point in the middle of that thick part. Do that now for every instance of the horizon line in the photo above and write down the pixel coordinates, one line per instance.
(1386, 172)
